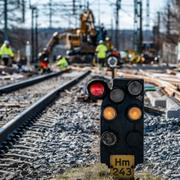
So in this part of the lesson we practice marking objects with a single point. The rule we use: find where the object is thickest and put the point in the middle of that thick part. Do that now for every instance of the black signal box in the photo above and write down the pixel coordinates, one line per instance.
(122, 130)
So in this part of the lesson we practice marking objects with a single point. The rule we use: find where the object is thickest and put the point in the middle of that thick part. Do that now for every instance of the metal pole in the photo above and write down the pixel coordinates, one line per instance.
(50, 13)
(135, 25)
(32, 34)
(168, 31)
(112, 37)
(74, 7)
(117, 24)
(88, 4)
(36, 34)
(147, 14)
(140, 27)
(113, 73)
(5, 20)
(168, 20)
(23, 11)
(158, 31)
(99, 21)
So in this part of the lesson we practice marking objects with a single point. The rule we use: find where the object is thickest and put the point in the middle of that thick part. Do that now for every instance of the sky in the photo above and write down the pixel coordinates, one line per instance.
(104, 11)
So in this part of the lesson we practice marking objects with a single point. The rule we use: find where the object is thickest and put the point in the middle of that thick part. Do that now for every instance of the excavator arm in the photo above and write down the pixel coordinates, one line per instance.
(83, 37)
(87, 23)
(56, 38)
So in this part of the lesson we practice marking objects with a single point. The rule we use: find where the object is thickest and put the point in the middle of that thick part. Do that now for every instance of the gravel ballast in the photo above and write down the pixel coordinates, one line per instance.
(64, 136)
(161, 147)
(13, 103)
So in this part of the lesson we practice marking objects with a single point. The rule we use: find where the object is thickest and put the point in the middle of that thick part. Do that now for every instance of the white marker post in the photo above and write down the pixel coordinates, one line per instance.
(28, 53)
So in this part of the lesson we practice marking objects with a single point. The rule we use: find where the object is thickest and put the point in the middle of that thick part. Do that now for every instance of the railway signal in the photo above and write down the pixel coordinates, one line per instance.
(122, 124)
(112, 62)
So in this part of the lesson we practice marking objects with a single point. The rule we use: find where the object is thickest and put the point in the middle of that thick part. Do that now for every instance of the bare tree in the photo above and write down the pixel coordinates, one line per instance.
(15, 11)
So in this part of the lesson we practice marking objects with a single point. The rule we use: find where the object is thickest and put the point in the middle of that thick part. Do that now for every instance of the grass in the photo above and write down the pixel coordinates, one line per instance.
(99, 172)
(147, 176)
(93, 172)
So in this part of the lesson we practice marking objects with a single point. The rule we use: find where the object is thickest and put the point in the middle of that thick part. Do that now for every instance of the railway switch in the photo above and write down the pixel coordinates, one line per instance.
(122, 124)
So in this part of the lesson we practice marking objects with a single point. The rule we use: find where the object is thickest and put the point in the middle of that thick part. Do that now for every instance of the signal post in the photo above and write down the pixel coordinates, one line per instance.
(122, 124)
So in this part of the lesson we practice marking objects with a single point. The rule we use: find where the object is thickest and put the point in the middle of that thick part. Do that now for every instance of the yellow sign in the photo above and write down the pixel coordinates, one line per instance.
(122, 166)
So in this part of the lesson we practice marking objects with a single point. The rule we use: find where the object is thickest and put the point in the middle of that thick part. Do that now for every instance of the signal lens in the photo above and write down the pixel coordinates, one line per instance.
(117, 95)
(134, 113)
(135, 88)
(112, 62)
(108, 138)
(134, 138)
(97, 89)
(109, 113)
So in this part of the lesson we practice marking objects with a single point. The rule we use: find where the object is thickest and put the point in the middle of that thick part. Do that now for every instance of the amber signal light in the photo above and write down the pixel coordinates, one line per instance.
(134, 113)
(109, 113)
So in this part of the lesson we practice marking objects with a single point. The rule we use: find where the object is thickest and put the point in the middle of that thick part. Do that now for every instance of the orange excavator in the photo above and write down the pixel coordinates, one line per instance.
(79, 41)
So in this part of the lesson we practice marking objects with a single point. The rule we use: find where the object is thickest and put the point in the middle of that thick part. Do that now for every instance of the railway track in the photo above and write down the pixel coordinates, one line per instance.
(11, 76)
(66, 134)
(17, 97)
(20, 160)
(28, 82)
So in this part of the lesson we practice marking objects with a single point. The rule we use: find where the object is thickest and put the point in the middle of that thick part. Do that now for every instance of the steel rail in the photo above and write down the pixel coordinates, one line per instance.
(15, 86)
(10, 129)
(153, 111)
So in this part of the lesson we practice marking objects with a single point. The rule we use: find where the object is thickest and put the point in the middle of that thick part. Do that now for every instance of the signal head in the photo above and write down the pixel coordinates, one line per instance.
(97, 89)
(109, 113)
(117, 95)
(108, 138)
(134, 113)
(112, 62)
(135, 87)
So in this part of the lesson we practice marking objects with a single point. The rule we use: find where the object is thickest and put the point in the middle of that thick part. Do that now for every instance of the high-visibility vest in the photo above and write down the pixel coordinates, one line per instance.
(43, 64)
(6, 51)
(101, 50)
(62, 63)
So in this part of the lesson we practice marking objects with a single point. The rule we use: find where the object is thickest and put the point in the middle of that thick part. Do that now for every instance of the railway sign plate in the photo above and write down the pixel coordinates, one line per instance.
(122, 166)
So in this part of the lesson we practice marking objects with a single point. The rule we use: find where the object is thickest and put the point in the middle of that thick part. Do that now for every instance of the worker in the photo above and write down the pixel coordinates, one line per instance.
(101, 33)
(101, 51)
(44, 65)
(62, 62)
(43, 62)
(108, 44)
(6, 53)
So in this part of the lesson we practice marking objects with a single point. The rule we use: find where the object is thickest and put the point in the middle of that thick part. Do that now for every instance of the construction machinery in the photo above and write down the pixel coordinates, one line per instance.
(150, 52)
(79, 41)
(133, 57)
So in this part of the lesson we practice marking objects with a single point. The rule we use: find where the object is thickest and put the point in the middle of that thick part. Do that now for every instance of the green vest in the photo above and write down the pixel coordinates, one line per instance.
(101, 50)
(6, 51)
(62, 63)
